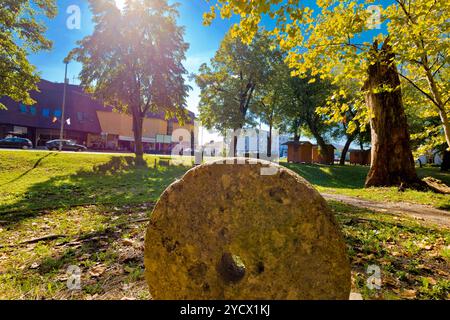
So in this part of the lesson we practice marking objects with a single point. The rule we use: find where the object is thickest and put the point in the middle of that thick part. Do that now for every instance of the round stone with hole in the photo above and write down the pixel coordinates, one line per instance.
(244, 231)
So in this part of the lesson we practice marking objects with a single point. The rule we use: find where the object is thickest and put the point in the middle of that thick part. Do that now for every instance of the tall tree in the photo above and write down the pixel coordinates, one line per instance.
(417, 38)
(228, 85)
(273, 94)
(133, 60)
(21, 34)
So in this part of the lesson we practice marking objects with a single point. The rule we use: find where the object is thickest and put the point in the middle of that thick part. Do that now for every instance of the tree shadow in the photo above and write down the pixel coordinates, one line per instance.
(346, 177)
(36, 164)
(117, 182)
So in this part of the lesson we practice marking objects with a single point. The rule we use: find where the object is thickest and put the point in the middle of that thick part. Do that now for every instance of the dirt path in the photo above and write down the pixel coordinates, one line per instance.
(418, 211)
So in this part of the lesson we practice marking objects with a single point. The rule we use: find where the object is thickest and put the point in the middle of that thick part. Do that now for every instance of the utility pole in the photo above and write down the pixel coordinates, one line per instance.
(61, 133)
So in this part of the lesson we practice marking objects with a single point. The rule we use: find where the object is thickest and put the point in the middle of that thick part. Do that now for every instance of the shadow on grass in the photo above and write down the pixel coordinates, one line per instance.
(117, 182)
(26, 172)
(349, 177)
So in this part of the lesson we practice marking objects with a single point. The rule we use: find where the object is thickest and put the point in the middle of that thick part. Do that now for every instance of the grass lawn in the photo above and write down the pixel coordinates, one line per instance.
(349, 180)
(93, 209)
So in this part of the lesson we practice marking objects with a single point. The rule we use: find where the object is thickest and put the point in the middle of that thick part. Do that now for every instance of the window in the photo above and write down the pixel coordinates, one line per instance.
(82, 116)
(46, 112)
(57, 113)
(33, 110)
(20, 130)
(23, 108)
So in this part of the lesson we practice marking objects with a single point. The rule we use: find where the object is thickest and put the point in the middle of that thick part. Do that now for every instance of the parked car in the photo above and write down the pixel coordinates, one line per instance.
(16, 142)
(67, 145)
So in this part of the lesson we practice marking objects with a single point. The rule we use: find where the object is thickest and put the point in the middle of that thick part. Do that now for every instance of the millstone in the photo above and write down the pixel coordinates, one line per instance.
(224, 231)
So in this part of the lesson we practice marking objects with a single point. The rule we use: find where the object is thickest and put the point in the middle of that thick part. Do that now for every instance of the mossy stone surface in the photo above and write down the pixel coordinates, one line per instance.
(224, 231)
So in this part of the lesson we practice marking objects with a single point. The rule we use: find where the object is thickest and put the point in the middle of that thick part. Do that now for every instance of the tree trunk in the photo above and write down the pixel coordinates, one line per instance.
(438, 100)
(269, 142)
(138, 147)
(232, 152)
(296, 128)
(323, 150)
(445, 165)
(446, 126)
(345, 150)
(257, 144)
(392, 159)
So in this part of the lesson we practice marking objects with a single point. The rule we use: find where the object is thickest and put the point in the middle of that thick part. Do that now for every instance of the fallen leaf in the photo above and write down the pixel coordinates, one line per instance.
(97, 270)
(410, 294)
(34, 265)
(431, 280)
(355, 296)
(128, 242)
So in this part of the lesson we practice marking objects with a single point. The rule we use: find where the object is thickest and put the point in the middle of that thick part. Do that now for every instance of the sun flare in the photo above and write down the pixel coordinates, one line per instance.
(120, 4)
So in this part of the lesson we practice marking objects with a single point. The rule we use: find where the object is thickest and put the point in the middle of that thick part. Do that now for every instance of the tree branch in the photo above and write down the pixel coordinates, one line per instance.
(418, 88)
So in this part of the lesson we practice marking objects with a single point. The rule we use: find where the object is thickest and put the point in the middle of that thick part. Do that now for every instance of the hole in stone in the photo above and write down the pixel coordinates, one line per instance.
(231, 268)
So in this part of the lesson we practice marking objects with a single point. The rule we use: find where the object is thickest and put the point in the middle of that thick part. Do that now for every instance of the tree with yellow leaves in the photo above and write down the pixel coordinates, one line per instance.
(328, 43)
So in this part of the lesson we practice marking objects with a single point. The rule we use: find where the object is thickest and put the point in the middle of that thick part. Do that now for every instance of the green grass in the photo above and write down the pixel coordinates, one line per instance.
(349, 180)
(92, 200)
(30, 181)
(413, 258)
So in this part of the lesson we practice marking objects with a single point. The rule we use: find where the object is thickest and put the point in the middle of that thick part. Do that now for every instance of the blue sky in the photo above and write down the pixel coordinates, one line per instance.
(204, 41)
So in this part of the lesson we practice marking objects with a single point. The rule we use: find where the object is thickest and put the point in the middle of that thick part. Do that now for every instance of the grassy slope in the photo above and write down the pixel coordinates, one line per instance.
(87, 199)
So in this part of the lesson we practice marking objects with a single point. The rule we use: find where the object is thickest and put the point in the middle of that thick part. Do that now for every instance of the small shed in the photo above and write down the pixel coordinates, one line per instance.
(299, 151)
(327, 158)
(361, 157)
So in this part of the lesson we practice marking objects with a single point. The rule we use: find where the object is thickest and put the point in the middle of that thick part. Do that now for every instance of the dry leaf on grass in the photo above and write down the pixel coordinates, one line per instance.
(409, 294)
(97, 270)
(128, 242)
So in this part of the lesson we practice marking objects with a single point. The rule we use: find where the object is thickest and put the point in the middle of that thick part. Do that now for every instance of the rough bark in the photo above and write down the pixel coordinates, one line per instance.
(345, 150)
(392, 159)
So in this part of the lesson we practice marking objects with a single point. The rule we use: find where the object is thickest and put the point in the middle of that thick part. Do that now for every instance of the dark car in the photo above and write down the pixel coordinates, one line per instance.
(16, 142)
(67, 145)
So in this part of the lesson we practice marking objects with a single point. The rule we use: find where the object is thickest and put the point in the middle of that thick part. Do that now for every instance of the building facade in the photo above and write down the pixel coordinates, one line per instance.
(86, 121)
